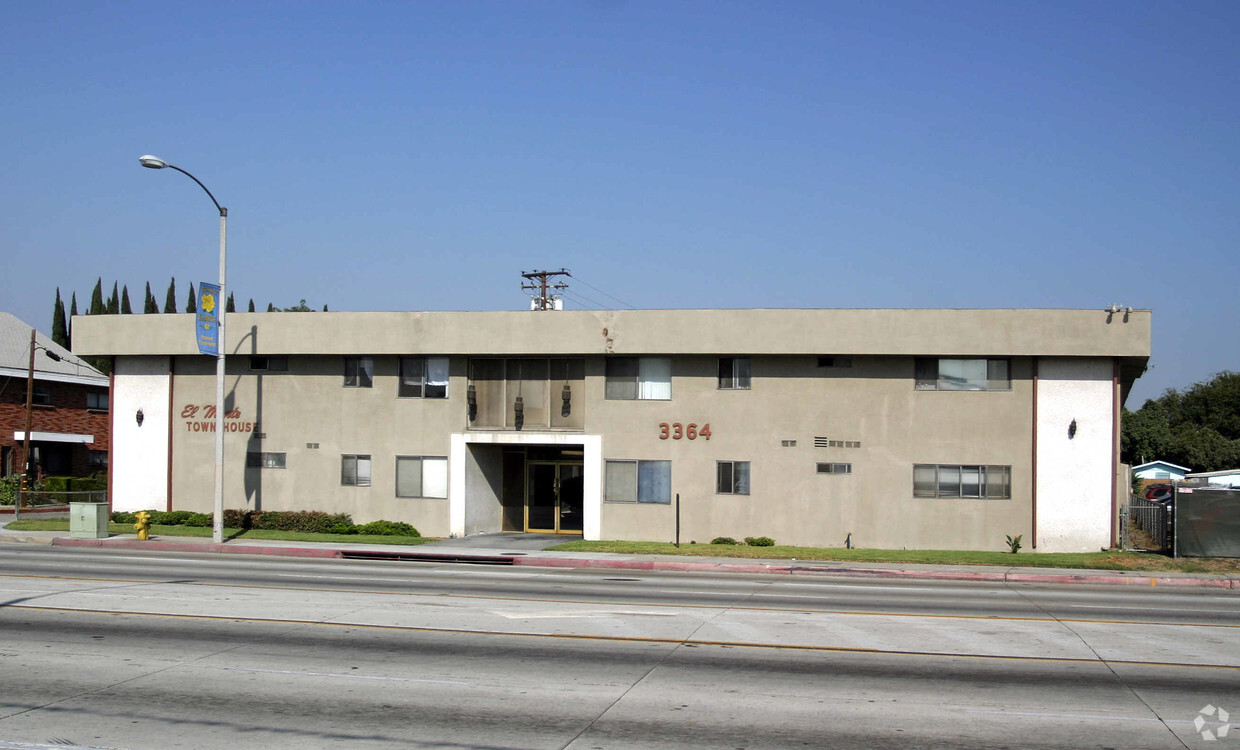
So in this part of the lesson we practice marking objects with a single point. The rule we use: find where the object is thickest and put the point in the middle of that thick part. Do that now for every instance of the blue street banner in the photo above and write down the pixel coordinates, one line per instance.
(207, 326)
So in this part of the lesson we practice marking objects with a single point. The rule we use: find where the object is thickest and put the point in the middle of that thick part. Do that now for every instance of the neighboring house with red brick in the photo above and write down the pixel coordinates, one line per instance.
(69, 412)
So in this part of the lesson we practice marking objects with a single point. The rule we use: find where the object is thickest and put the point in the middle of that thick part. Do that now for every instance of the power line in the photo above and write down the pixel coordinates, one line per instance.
(600, 291)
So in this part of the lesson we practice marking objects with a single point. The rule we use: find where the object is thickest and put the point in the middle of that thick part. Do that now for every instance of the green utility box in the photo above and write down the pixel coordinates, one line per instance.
(88, 520)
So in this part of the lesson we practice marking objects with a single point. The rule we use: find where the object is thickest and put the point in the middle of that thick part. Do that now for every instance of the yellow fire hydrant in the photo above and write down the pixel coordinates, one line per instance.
(143, 525)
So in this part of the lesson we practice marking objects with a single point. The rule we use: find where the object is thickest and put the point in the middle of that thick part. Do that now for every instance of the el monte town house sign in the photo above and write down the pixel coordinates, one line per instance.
(190, 413)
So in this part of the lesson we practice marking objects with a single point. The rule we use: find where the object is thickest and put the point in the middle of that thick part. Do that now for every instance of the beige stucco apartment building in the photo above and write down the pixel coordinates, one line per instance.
(878, 428)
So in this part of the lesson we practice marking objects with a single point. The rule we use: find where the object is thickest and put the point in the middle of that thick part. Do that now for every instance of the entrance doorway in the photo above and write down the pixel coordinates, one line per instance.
(553, 495)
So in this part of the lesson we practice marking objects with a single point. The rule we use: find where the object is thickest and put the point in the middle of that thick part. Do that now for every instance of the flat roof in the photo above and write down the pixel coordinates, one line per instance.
(1005, 332)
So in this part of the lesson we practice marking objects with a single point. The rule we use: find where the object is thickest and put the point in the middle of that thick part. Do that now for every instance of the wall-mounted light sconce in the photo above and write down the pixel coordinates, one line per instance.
(567, 397)
(139, 416)
(1072, 430)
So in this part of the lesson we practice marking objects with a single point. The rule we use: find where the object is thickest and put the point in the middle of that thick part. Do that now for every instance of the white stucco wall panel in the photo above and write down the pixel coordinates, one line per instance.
(1074, 471)
(139, 463)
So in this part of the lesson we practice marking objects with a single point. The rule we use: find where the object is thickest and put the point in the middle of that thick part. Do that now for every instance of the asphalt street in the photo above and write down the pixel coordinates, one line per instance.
(148, 650)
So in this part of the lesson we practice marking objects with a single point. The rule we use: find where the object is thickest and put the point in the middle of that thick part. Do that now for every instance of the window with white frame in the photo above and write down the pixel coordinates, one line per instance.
(264, 460)
(359, 372)
(423, 377)
(41, 395)
(732, 477)
(628, 481)
(97, 401)
(734, 373)
(355, 470)
(640, 378)
(962, 480)
(421, 476)
(949, 374)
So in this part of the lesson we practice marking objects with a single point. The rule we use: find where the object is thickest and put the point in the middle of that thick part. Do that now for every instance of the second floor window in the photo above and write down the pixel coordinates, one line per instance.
(423, 377)
(734, 373)
(643, 378)
(359, 372)
(97, 401)
(962, 374)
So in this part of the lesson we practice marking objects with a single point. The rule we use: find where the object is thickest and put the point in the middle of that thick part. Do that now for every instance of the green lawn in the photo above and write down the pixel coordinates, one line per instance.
(256, 534)
(1095, 560)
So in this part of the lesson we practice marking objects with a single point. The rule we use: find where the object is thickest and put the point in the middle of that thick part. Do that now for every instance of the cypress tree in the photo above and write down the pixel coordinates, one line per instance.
(96, 300)
(191, 305)
(230, 307)
(271, 307)
(72, 311)
(114, 302)
(324, 308)
(251, 304)
(150, 306)
(60, 331)
(126, 309)
(170, 300)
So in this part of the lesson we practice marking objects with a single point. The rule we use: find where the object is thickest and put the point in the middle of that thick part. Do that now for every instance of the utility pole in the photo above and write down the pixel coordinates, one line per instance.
(543, 301)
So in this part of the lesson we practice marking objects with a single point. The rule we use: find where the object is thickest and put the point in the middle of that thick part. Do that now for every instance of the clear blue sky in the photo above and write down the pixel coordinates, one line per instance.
(419, 156)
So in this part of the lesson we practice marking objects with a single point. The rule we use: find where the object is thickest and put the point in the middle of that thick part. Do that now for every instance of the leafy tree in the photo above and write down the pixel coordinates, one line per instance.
(1199, 428)
(150, 305)
(191, 305)
(96, 299)
(114, 302)
(60, 329)
(230, 307)
(299, 307)
(126, 309)
(170, 299)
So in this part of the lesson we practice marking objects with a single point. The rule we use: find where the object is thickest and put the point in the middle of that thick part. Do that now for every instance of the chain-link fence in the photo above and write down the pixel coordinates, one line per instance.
(1147, 525)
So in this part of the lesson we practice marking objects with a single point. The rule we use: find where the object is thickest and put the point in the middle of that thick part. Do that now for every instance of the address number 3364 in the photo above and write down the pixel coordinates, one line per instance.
(678, 431)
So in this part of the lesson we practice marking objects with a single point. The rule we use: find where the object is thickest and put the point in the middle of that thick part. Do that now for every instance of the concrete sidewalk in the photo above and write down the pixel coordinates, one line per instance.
(528, 550)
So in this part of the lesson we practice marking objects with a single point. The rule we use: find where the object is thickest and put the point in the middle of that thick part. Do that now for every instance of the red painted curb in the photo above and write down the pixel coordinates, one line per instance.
(161, 546)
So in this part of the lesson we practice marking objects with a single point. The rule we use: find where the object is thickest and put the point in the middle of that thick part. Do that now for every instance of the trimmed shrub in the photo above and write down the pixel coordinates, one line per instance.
(200, 520)
(387, 528)
(759, 541)
(723, 540)
(169, 517)
(121, 516)
(311, 521)
(234, 518)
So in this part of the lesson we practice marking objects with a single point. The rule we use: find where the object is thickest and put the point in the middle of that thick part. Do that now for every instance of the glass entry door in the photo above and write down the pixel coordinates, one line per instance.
(553, 496)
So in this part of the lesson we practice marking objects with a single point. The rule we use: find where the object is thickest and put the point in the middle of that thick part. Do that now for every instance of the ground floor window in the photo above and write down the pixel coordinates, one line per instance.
(951, 480)
(732, 477)
(638, 482)
(97, 459)
(421, 476)
(355, 470)
(264, 460)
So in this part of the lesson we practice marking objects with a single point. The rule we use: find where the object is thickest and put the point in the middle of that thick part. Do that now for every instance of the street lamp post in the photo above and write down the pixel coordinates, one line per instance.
(217, 531)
